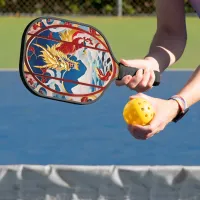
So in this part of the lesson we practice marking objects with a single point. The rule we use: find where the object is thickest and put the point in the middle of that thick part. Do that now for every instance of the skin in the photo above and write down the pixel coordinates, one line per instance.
(166, 110)
(171, 36)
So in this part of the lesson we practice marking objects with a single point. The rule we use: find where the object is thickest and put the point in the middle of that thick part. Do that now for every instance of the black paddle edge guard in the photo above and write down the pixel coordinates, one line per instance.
(122, 69)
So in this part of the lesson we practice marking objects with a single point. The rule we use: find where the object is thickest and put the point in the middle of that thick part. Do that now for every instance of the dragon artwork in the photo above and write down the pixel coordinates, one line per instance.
(66, 61)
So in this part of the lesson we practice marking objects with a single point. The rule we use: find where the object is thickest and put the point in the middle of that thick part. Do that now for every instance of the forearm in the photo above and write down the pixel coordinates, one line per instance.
(169, 41)
(166, 49)
(191, 91)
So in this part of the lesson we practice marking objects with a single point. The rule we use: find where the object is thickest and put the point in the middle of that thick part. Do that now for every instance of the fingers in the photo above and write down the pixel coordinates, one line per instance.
(125, 80)
(142, 132)
(146, 77)
(133, 83)
(136, 135)
(131, 63)
(162, 117)
(137, 95)
(151, 80)
(141, 82)
(146, 132)
(138, 63)
(147, 81)
(156, 131)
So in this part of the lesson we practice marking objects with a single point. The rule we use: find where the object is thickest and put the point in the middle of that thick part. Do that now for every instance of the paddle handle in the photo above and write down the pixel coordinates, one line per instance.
(124, 71)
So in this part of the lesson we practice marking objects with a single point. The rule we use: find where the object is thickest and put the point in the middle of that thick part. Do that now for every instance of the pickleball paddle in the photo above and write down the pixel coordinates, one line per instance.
(68, 61)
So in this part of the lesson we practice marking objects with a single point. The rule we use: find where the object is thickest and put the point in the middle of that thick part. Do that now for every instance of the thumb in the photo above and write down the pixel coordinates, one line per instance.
(141, 95)
(156, 119)
(139, 63)
(152, 100)
(155, 123)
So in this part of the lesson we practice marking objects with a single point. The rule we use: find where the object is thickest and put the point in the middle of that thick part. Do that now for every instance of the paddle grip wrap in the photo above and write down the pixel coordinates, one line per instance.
(124, 71)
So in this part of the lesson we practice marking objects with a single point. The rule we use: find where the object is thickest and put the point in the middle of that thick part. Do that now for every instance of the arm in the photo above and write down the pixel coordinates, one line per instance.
(186, 97)
(167, 46)
(167, 110)
(191, 91)
(170, 38)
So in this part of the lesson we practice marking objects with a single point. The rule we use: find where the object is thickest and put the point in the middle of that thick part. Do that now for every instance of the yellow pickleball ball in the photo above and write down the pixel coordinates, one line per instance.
(138, 111)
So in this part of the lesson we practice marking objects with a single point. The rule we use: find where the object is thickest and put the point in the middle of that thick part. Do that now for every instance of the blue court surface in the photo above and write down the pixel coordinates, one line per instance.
(34, 130)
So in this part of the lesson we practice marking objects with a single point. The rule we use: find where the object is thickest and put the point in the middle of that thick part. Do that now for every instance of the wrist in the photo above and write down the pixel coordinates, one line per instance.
(182, 107)
(174, 106)
(163, 57)
(153, 63)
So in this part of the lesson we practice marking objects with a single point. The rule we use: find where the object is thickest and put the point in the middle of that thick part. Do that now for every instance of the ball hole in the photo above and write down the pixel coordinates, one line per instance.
(146, 115)
(142, 109)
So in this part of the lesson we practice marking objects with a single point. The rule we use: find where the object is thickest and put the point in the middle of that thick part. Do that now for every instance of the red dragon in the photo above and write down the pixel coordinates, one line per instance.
(71, 47)
(102, 76)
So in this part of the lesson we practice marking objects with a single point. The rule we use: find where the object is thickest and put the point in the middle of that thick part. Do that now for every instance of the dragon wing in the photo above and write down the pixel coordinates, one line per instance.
(67, 35)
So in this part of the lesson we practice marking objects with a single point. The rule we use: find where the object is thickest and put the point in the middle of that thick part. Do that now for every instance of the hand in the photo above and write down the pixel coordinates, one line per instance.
(165, 112)
(141, 82)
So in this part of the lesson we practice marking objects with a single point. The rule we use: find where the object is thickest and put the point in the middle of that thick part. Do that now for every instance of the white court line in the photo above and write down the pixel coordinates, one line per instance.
(181, 69)
(174, 70)
(8, 70)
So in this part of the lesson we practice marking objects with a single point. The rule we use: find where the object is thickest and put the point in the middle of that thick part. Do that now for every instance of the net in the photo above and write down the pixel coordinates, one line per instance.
(60, 182)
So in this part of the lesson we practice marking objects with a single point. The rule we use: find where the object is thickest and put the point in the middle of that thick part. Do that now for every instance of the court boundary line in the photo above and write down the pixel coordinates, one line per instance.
(174, 69)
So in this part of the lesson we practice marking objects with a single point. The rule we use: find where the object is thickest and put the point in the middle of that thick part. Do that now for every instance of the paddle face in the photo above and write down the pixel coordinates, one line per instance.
(66, 61)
